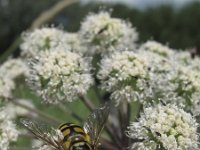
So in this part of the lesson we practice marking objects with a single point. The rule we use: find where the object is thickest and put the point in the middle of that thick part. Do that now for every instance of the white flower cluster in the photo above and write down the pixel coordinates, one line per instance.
(59, 75)
(103, 34)
(14, 68)
(10, 70)
(8, 130)
(123, 74)
(185, 59)
(187, 88)
(195, 63)
(164, 127)
(40, 39)
(161, 70)
(49, 38)
(157, 48)
(188, 80)
(6, 86)
(173, 78)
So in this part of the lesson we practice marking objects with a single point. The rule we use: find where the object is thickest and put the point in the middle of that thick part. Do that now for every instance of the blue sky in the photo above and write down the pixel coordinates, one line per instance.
(145, 3)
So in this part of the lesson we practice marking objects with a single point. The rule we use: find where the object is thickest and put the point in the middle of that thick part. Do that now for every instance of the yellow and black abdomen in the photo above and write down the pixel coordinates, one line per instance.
(75, 137)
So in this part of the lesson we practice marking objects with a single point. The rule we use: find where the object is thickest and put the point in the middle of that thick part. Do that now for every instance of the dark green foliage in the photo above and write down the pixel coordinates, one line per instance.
(177, 27)
(17, 17)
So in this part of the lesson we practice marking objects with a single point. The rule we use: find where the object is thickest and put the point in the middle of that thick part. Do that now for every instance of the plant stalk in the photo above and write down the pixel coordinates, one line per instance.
(40, 113)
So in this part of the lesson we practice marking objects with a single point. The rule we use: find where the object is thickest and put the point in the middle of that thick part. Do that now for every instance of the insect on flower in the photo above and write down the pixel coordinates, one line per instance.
(73, 137)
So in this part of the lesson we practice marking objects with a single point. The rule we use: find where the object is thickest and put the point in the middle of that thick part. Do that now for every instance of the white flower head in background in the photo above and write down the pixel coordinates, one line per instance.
(188, 80)
(195, 63)
(157, 48)
(172, 79)
(187, 87)
(164, 127)
(103, 34)
(41, 39)
(8, 130)
(59, 75)
(184, 58)
(14, 68)
(123, 74)
(160, 72)
(7, 85)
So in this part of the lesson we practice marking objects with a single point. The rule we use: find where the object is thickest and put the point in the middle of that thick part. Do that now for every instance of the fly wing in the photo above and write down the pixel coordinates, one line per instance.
(43, 132)
(95, 123)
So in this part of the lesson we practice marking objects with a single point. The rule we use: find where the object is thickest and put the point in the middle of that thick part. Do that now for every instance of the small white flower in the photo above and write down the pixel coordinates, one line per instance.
(59, 75)
(167, 127)
(123, 74)
(103, 34)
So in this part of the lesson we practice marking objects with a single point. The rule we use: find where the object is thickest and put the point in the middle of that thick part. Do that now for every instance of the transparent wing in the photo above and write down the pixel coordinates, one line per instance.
(43, 132)
(95, 123)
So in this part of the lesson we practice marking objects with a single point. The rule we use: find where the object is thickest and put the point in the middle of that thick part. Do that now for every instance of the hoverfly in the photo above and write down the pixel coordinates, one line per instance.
(75, 137)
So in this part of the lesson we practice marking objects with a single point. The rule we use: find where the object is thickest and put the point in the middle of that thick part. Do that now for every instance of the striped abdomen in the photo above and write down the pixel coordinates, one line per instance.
(75, 137)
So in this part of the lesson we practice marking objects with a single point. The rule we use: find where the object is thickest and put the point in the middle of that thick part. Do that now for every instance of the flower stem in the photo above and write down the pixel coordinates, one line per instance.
(110, 132)
(108, 145)
(108, 128)
(87, 103)
(124, 115)
(40, 113)
(70, 111)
